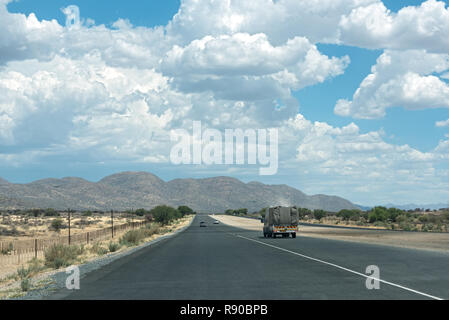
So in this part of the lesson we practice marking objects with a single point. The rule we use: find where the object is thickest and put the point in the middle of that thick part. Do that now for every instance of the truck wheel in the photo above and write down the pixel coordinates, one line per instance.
(293, 235)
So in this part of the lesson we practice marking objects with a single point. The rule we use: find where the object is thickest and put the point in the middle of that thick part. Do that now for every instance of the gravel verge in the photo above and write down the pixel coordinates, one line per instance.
(56, 280)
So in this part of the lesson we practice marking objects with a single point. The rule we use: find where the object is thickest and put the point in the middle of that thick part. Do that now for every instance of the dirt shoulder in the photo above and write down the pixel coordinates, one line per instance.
(10, 285)
(414, 240)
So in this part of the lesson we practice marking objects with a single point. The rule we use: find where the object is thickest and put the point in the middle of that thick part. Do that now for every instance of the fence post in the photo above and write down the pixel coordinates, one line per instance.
(35, 248)
(112, 223)
(87, 236)
(69, 226)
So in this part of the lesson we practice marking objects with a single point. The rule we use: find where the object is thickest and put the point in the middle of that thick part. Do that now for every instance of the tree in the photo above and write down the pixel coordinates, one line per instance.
(185, 210)
(319, 214)
(51, 213)
(303, 212)
(35, 212)
(378, 214)
(394, 213)
(88, 213)
(347, 214)
(57, 224)
(243, 211)
(164, 214)
(140, 212)
(229, 211)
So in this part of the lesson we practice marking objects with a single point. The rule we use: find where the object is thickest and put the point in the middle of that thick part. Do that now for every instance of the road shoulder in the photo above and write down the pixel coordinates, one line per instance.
(412, 240)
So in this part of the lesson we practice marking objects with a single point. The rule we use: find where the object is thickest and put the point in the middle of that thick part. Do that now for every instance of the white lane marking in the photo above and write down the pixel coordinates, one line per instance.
(342, 268)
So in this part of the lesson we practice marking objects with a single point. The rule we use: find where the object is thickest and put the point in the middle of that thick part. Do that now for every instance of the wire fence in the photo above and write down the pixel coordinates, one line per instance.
(17, 252)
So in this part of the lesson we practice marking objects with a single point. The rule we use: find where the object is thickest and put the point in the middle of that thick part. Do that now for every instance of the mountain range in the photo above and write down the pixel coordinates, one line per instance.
(126, 190)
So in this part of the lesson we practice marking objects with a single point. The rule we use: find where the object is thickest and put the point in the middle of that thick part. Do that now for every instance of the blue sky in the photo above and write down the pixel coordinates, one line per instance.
(386, 144)
(140, 13)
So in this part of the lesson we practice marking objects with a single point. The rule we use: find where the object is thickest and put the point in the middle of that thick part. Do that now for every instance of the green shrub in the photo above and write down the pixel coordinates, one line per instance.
(113, 246)
(423, 219)
(132, 238)
(23, 272)
(25, 285)
(151, 229)
(35, 265)
(101, 251)
(140, 212)
(164, 214)
(51, 213)
(57, 224)
(446, 215)
(87, 214)
(319, 214)
(98, 249)
(405, 226)
(185, 210)
(60, 255)
(379, 224)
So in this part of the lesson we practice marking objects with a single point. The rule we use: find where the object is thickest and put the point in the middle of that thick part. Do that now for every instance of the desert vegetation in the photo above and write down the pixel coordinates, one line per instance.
(39, 223)
(160, 220)
(378, 217)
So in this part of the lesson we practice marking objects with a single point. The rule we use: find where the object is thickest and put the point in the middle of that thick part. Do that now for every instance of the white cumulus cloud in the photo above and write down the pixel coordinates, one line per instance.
(399, 79)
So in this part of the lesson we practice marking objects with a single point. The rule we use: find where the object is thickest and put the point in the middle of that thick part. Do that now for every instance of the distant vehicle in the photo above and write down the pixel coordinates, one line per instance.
(216, 222)
(202, 224)
(280, 220)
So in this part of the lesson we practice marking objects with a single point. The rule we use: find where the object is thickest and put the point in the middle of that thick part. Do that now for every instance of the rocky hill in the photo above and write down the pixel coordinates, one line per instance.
(144, 190)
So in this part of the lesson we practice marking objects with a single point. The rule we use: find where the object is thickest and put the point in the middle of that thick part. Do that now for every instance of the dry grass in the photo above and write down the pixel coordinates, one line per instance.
(415, 240)
(10, 284)
(18, 227)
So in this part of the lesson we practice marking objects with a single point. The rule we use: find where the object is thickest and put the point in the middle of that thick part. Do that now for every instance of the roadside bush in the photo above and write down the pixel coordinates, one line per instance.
(445, 215)
(379, 224)
(132, 238)
(98, 249)
(60, 255)
(23, 272)
(151, 229)
(347, 214)
(25, 285)
(319, 214)
(164, 214)
(185, 210)
(423, 219)
(34, 266)
(405, 226)
(113, 246)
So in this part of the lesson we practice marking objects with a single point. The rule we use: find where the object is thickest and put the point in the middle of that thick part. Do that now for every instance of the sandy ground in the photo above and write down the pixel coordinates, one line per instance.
(11, 284)
(30, 227)
(415, 240)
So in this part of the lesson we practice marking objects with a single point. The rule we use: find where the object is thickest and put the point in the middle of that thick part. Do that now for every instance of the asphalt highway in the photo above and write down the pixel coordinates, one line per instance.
(223, 262)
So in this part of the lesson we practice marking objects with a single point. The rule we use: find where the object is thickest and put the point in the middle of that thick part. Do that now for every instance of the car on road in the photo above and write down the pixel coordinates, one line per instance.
(202, 224)
(216, 222)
